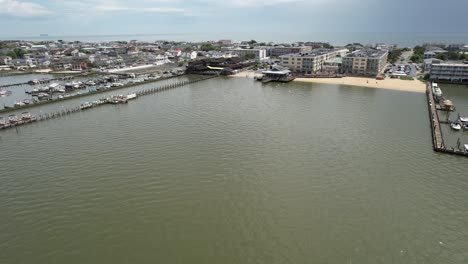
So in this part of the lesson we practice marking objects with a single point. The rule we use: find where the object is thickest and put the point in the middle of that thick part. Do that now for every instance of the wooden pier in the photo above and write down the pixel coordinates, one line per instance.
(11, 109)
(68, 111)
(437, 137)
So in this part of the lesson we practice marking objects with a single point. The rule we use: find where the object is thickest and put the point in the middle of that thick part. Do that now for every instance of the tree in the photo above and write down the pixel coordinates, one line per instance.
(441, 56)
(248, 56)
(416, 58)
(419, 50)
(252, 42)
(16, 53)
(208, 47)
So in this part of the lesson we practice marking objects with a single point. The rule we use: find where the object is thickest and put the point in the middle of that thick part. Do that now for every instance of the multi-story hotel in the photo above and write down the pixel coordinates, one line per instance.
(367, 62)
(258, 53)
(449, 72)
(311, 62)
(279, 51)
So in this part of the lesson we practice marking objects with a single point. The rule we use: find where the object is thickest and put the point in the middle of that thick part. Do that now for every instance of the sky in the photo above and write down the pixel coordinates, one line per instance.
(20, 18)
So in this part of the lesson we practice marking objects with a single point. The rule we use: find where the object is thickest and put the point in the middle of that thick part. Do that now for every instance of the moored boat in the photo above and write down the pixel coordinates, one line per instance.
(26, 116)
(466, 147)
(19, 104)
(13, 119)
(131, 96)
(463, 119)
(455, 125)
(4, 92)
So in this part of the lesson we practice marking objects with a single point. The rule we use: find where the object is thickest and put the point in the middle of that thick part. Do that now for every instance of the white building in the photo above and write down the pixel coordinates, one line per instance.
(456, 72)
(189, 55)
(311, 62)
(258, 53)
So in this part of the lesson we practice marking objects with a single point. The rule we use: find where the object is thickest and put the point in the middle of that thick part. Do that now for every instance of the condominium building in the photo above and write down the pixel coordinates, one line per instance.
(456, 72)
(258, 53)
(279, 51)
(309, 63)
(366, 62)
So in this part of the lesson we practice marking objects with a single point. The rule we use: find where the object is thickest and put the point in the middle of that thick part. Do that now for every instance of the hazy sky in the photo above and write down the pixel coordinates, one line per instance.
(96, 17)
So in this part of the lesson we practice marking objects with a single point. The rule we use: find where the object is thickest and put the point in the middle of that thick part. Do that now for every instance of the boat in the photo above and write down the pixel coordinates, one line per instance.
(13, 119)
(118, 99)
(86, 105)
(131, 96)
(4, 93)
(463, 119)
(27, 101)
(19, 104)
(43, 95)
(466, 147)
(26, 116)
(54, 86)
(455, 125)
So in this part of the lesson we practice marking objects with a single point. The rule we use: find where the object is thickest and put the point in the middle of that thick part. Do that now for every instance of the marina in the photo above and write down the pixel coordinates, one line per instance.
(436, 131)
(57, 93)
(26, 118)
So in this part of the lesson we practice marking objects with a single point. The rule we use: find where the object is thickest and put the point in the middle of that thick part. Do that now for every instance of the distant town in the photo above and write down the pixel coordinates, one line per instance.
(283, 61)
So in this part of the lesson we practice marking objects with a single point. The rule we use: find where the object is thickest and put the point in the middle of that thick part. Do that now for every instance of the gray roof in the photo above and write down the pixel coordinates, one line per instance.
(367, 53)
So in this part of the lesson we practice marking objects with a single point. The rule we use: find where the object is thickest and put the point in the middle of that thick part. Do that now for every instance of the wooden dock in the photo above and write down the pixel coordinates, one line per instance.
(11, 109)
(68, 111)
(437, 137)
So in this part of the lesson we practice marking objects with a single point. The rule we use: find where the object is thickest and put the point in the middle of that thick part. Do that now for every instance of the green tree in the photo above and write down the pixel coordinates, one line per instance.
(208, 47)
(248, 56)
(419, 50)
(442, 56)
(416, 58)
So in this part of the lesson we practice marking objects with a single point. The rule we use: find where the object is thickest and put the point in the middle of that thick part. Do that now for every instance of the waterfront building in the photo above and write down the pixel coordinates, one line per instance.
(432, 53)
(311, 62)
(279, 51)
(428, 63)
(366, 62)
(455, 72)
(258, 53)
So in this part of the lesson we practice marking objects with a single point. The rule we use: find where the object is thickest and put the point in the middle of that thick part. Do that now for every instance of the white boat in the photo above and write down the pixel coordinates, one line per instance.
(3, 93)
(437, 91)
(19, 104)
(54, 86)
(131, 96)
(13, 119)
(464, 119)
(26, 116)
(466, 147)
(455, 125)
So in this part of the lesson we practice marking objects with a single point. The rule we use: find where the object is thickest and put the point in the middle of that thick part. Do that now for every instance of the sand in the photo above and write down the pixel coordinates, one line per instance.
(390, 84)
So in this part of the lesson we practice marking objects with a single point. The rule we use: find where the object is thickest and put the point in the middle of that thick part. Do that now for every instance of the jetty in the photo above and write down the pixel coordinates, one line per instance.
(436, 131)
(104, 101)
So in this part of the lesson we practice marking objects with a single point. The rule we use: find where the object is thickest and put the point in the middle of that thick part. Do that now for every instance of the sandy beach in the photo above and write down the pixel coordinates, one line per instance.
(390, 84)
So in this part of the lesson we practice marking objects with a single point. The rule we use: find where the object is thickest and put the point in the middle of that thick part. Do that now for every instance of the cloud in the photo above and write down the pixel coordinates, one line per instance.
(254, 3)
(24, 9)
(140, 9)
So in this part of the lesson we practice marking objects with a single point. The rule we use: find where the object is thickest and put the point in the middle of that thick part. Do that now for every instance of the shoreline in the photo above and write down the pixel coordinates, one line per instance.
(415, 86)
